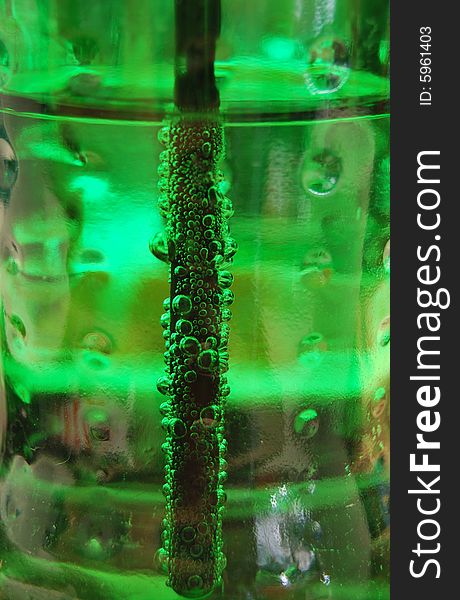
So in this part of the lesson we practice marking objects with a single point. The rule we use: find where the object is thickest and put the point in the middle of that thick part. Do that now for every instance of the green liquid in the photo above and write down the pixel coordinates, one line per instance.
(306, 421)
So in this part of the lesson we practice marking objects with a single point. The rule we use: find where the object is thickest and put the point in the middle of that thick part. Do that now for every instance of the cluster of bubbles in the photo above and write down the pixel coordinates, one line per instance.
(199, 249)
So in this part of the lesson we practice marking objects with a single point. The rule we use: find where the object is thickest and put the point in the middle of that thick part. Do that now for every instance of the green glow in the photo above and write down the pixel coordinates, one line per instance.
(92, 188)
(279, 48)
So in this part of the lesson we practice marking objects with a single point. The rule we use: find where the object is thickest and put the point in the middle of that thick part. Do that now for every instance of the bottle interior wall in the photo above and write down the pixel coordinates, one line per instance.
(304, 114)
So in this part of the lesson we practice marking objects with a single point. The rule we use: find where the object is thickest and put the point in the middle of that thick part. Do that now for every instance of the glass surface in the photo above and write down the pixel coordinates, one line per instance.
(262, 216)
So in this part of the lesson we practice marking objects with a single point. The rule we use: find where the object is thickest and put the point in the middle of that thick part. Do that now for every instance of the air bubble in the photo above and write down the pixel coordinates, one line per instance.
(209, 417)
(208, 220)
(231, 248)
(163, 385)
(225, 279)
(163, 169)
(228, 297)
(161, 559)
(165, 408)
(163, 205)
(159, 247)
(182, 304)
(214, 246)
(177, 428)
(97, 342)
(188, 534)
(190, 376)
(211, 343)
(190, 346)
(184, 327)
(227, 208)
(165, 320)
(180, 272)
(195, 582)
(196, 550)
(207, 360)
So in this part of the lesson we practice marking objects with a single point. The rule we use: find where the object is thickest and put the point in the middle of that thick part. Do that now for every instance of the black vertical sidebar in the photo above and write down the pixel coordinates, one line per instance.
(429, 540)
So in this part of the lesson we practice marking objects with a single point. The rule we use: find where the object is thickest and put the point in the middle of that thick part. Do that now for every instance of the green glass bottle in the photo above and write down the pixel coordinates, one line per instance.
(194, 278)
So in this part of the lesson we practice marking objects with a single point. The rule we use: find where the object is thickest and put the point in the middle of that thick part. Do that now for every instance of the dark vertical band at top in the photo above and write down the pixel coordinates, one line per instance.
(197, 30)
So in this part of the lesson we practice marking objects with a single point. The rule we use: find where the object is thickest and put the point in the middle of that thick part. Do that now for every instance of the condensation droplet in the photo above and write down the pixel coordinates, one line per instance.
(383, 333)
(98, 424)
(97, 341)
(311, 348)
(306, 423)
(386, 257)
(321, 172)
(18, 325)
(379, 402)
(8, 166)
(328, 69)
